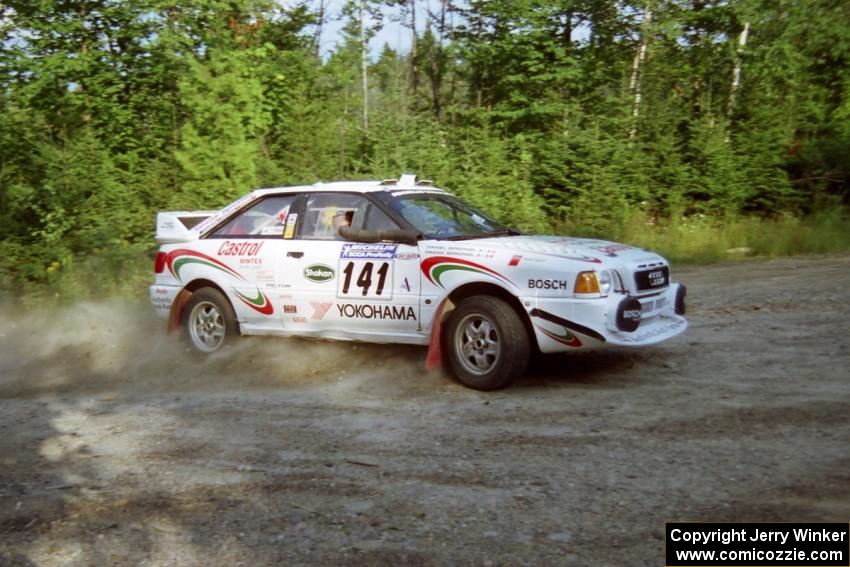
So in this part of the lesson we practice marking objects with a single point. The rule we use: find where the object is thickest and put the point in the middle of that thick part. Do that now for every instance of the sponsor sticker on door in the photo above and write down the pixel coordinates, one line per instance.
(319, 273)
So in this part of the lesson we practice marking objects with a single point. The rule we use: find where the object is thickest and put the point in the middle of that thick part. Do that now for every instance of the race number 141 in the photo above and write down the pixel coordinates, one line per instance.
(366, 278)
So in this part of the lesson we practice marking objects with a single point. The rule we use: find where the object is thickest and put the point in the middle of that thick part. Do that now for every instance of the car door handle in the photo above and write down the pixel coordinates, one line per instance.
(295, 254)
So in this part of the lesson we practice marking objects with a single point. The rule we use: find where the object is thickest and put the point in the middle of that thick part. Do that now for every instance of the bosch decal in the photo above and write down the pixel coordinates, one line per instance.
(629, 313)
(548, 284)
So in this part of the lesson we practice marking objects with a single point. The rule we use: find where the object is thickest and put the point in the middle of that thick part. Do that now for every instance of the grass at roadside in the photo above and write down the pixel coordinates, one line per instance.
(690, 240)
(704, 239)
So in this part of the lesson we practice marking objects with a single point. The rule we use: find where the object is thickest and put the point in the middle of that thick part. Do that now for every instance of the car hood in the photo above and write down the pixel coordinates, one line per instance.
(582, 249)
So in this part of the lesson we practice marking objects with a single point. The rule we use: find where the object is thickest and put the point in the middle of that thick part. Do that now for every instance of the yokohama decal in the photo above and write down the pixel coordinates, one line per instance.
(435, 267)
(366, 311)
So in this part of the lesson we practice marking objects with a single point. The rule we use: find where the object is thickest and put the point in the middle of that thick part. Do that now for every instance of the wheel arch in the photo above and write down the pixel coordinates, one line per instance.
(175, 318)
(485, 288)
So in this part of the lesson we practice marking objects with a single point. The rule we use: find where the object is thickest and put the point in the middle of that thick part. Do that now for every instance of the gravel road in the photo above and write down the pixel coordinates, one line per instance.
(117, 449)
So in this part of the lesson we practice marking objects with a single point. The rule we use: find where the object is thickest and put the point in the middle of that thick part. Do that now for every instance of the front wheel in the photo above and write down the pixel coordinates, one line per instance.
(209, 321)
(487, 343)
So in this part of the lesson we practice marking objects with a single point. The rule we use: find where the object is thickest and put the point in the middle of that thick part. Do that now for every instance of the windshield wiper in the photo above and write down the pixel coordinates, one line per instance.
(498, 232)
(463, 237)
(504, 232)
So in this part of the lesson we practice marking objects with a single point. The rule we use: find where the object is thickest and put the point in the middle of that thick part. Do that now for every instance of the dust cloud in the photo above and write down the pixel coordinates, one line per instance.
(116, 345)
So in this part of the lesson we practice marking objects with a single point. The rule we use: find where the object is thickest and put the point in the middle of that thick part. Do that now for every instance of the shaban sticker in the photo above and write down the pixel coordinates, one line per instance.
(319, 273)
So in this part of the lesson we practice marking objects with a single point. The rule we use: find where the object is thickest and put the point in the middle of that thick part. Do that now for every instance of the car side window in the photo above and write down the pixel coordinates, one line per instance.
(265, 219)
(376, 219)
(325, 213)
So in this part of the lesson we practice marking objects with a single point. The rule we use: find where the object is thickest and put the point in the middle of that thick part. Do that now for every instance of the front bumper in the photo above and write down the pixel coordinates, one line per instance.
(564, 324)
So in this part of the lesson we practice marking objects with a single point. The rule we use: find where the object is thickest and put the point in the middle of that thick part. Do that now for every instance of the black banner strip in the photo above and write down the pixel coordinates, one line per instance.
(552, 318)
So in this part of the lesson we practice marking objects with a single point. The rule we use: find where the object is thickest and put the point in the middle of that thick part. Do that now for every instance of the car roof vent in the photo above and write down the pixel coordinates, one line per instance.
(425, 182)
(389, 182)
(407, 180)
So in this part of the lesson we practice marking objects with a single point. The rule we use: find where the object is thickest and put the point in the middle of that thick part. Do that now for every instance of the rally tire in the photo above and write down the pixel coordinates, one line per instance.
(486, 342)
(209, 323)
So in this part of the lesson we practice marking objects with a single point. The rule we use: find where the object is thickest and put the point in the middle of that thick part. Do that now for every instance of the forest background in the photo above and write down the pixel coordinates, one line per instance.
(694, 127)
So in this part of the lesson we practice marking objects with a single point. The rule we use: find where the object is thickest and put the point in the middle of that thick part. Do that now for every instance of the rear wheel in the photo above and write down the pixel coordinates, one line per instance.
(487, 343)
(209, 321)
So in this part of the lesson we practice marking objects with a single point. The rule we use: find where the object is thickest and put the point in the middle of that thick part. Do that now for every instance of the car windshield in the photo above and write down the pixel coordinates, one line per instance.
(445, 217)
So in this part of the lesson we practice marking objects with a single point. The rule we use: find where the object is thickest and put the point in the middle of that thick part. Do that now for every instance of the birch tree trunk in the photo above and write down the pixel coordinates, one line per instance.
(414, 70)
(364, 67)
(736, 73)
(637, 63)
(342, 120)
(436, 71)
(319, 28)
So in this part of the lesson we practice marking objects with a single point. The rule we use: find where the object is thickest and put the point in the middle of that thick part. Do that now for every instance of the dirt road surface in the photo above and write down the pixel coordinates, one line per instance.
(116, 449)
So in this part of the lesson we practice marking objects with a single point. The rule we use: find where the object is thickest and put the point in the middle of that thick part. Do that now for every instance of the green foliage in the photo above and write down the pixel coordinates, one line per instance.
(618, 120)
(219, 143)
(706, 239)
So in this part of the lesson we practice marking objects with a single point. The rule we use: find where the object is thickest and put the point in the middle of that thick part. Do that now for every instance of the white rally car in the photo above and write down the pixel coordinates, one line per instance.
(400, 261)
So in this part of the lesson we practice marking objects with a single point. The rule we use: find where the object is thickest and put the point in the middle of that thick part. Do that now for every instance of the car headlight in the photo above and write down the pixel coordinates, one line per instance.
(606, 282)
(586, 282)
(593, 283)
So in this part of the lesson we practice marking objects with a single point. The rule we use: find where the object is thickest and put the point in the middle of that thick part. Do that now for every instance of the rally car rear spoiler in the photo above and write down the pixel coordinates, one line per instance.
(177, 226)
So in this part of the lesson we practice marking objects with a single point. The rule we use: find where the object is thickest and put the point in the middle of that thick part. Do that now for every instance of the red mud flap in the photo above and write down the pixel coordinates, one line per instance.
(435, 350)
(177, 311)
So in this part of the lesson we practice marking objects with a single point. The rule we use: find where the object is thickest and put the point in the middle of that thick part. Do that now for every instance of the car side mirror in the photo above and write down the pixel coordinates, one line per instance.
(401, 236)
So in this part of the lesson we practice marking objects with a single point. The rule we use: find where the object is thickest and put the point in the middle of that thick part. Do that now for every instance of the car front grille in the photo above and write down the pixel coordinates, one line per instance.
(652, 279)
